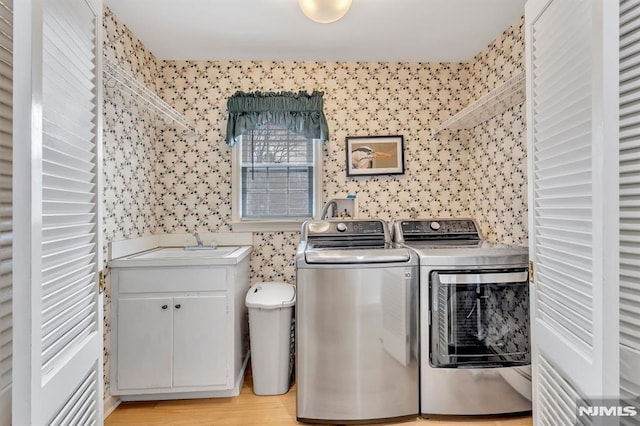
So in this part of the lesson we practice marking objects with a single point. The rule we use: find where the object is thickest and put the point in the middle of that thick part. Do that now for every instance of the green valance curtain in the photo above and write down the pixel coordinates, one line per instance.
(299, 112)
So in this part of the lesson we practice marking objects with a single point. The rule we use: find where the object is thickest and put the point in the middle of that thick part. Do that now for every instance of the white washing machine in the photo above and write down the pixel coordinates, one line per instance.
(474, 319)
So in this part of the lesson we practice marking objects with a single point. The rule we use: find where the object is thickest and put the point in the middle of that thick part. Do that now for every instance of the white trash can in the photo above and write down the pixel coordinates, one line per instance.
(270, 312)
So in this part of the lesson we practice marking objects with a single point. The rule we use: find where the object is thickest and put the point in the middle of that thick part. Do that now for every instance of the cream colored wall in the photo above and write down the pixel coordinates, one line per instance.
(129, 154)
(497, 181)
(157, 180)
(360, 99)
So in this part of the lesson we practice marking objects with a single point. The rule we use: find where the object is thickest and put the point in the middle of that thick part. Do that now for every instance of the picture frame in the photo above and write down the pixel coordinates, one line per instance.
(375, 155)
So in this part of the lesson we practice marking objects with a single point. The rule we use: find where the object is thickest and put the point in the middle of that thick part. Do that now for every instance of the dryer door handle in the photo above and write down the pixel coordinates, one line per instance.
(488, 278)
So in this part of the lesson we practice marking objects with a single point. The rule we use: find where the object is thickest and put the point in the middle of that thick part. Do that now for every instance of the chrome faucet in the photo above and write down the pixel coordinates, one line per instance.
(198, 239)
(199, 245)
(325, 209)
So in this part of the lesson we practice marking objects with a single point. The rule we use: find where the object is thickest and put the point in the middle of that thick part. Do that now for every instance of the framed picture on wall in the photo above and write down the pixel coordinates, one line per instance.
(375, 155)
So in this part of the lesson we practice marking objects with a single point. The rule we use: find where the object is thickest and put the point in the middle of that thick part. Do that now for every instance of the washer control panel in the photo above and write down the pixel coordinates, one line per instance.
(347, 227)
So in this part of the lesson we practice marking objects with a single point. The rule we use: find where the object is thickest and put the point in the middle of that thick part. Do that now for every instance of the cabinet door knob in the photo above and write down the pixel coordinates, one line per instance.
(164, 306)
(178, 306)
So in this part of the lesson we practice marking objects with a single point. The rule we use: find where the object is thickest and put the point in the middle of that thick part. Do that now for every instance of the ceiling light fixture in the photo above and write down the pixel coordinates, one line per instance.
(324, 11)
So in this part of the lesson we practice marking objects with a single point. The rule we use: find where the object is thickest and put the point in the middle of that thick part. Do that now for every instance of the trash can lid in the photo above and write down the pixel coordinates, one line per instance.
(271, 295)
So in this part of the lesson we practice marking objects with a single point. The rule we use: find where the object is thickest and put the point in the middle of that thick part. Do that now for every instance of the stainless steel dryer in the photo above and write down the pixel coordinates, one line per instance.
(356, 324)
(474, 319)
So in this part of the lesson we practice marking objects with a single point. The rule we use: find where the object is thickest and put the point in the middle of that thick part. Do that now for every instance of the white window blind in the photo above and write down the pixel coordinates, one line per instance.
(277, 174)
(6, 232)
(630, 198)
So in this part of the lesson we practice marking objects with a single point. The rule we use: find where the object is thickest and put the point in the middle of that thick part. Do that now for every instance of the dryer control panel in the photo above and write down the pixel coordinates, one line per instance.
(435, 229)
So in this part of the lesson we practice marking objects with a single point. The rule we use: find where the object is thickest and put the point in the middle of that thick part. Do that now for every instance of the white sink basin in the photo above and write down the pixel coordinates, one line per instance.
(187, 252)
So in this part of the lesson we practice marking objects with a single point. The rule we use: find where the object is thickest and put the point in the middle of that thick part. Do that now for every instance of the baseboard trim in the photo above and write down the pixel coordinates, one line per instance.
(110, 404)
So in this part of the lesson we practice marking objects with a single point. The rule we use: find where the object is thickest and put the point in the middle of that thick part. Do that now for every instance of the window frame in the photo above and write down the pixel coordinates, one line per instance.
(241, 224)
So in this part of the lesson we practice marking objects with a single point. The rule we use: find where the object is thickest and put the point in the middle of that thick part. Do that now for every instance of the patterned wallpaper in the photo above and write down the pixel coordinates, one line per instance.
(129, 153)
(159, 181)
(194, 184)
(123, 47)
(498, 62)
(497, 181)
(129, 140)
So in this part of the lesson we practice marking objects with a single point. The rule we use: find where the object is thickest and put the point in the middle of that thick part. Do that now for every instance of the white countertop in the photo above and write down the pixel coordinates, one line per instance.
(181, 256)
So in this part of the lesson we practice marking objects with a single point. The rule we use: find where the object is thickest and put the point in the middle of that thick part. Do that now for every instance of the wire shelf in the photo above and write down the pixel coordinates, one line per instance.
(512, 92)
(125, 85)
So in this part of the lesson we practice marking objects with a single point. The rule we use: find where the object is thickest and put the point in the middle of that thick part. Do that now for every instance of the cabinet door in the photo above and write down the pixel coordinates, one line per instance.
(56, 213)
(573, 204)
(144, 343)
(200, 341)
(629, 201)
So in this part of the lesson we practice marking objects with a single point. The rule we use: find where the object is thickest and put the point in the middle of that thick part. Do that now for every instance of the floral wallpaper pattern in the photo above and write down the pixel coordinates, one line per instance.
(122, 47)
(194, 173)
(129, 153)
(497, 181)
(160, 180)
(498, 62)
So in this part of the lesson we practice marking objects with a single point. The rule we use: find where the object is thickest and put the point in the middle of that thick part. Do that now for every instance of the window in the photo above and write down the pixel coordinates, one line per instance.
(277, 174)
(276, 159)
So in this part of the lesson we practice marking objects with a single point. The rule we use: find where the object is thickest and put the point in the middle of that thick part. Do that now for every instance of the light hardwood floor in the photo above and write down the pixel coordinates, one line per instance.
(249, 409)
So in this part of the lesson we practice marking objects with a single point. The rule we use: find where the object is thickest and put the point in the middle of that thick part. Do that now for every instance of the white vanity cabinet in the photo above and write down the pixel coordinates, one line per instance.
(172, 342)
(179, 324)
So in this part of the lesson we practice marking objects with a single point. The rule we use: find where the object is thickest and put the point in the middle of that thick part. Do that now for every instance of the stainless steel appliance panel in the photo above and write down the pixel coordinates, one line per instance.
(472, 390)
(476, 391)
(357, 342)
(474, 331)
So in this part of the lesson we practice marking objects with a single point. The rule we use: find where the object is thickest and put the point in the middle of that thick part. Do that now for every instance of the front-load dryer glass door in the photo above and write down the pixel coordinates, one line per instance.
(479, 318)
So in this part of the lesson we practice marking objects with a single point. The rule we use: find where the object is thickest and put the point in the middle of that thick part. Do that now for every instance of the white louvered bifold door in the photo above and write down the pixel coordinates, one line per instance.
(573, 203)
(6, 233)
(65, 343)
(630, 199)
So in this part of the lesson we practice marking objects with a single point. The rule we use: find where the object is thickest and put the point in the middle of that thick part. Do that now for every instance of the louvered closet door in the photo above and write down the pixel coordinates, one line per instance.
(573, 216)
(6, 154)
(65, 344)
(630, 198)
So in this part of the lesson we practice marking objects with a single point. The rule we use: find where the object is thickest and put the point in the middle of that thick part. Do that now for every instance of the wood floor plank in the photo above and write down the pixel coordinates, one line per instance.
(249, 410)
